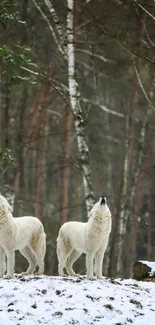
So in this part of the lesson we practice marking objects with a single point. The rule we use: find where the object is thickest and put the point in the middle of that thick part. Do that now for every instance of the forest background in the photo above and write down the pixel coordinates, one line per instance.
(77, 119)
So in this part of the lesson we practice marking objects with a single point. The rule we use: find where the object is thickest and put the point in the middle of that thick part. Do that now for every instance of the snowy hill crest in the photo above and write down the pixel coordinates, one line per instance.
(61, 301)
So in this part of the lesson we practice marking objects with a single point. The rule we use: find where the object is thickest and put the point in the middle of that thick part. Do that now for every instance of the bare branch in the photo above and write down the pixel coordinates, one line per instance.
(148, 37)
(55, 18)
(85, 23)
(98, 56)
(104, 108)
(142, 87)
(50, 26)
(145, 10)
(53, 84)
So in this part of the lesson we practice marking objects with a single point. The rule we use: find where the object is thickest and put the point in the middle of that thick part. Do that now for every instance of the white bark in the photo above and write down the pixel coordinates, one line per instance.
(73, 91)
(110, 193)
(50, 27)
(55, 18)
(77, 111)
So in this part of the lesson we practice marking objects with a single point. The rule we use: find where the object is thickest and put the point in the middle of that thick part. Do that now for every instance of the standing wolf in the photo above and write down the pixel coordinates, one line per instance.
(25, 234)
(90, 238)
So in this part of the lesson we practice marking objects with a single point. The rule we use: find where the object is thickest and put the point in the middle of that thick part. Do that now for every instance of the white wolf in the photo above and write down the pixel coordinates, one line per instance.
(25, 234)
(90, 238)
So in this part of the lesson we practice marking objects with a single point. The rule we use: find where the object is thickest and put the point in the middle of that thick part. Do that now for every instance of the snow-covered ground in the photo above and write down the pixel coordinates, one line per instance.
(30, 300)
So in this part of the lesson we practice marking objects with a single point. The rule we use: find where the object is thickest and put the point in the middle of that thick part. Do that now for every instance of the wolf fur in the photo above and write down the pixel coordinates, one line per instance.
(91, 238)
(25, 234)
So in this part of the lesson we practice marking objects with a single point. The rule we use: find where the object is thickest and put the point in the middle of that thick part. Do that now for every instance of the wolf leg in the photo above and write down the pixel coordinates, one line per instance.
(89, 265)
(70, 261)
(10, 254)
(30, 258)
(2, 262)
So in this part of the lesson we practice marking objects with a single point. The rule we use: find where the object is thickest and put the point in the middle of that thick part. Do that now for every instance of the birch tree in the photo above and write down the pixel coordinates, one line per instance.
(73, 90)
(77, 110)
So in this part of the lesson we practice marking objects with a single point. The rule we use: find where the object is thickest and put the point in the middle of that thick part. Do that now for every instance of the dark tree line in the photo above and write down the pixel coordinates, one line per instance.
(77, 119)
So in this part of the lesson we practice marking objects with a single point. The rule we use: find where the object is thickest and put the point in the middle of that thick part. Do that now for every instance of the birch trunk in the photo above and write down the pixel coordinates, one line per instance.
(77, 111)
(73, 89)
(109, 184)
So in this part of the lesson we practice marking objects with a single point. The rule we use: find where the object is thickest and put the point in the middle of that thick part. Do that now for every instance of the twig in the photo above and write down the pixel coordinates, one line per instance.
(49, 25)
(55, 18)
(52, 84)
(142, 87)
(144, 9)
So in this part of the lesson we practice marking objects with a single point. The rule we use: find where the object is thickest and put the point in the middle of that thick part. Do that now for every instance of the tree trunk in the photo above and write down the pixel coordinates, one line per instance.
(39, 174)
(149, 236)
(122, 222)
(19, 177)
(73, 89)
(77, 111)
(5, 99)
(109, 186)
(127, 164)
(141, 166)
(138, 201)
(38, 127)
(66, 168)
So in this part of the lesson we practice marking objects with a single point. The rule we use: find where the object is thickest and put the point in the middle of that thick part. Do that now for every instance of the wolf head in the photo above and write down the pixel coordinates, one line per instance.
(103, 200)
(103, 207)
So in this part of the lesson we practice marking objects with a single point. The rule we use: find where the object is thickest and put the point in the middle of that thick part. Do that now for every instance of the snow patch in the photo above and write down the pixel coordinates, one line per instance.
(33, 300)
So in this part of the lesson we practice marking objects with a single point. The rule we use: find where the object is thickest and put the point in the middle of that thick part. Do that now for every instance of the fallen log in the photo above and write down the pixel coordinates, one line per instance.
(144, 271)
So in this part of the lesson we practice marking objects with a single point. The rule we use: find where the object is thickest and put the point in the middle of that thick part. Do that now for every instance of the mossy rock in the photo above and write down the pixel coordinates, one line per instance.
(141, 271)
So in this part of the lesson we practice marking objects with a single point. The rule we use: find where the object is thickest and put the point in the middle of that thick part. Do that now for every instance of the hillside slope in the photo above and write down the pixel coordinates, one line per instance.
(61, 301)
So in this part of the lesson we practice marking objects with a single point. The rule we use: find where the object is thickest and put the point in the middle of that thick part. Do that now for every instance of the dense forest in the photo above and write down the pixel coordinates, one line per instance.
(77, 119)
